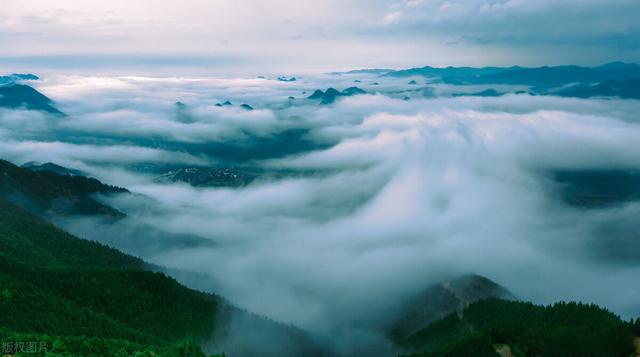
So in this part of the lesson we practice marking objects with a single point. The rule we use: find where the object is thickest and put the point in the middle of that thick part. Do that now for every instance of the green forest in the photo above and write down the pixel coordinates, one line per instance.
(78, 297)
(561, 329)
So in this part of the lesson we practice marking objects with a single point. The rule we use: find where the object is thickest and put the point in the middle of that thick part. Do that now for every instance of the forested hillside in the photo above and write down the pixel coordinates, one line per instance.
(525, 329)
(47, 193)
(79, 297)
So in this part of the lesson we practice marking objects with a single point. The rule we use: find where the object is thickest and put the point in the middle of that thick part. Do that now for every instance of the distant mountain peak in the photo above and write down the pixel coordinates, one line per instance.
(226, 103)
(318, 94)
(26, 76)
(353, 91)
(285, 79)
(17, 77)
(21, 96)
(330, 95)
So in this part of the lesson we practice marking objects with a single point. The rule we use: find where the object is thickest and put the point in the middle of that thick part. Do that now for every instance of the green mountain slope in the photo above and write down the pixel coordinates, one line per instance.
(561, 329)
(46, 193)
(440, 300)
(83, 298)
(59, 288)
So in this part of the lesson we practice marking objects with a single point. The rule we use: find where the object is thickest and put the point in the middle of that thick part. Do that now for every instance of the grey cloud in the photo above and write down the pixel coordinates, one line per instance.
(524, 22)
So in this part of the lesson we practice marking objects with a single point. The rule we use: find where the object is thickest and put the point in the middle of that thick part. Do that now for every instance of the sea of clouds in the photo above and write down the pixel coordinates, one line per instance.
(386, 196)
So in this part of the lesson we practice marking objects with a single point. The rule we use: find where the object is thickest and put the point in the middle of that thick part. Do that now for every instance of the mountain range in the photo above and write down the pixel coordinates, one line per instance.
(537, 76)
(82, 297)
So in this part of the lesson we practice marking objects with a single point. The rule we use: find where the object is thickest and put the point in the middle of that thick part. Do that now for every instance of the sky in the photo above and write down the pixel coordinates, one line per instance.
(285, 36)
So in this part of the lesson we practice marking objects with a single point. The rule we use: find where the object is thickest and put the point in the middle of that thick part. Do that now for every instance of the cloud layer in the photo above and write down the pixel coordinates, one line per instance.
(389, 196)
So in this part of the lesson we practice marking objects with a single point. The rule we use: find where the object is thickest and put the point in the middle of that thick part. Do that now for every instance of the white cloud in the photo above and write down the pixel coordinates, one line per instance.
(63, 153)
(405, 193)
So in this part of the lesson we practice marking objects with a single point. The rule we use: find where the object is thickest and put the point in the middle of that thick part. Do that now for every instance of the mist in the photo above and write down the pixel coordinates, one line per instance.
(375, 197)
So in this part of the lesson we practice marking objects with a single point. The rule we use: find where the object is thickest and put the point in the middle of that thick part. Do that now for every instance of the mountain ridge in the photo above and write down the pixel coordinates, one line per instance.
(22, 96)
(538, 76)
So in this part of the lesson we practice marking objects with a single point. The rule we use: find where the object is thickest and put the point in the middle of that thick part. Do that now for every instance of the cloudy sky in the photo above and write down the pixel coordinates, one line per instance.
(292, 36)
